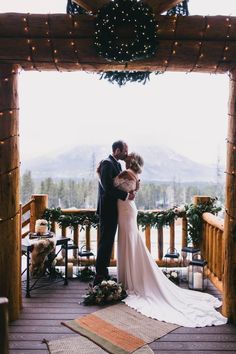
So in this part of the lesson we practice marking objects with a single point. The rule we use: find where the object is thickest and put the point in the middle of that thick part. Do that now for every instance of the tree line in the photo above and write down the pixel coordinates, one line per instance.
(70, 193)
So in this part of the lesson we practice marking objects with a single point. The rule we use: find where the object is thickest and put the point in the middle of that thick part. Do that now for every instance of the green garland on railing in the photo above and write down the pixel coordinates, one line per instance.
(195, 221)
(156, 219)
(87, 218)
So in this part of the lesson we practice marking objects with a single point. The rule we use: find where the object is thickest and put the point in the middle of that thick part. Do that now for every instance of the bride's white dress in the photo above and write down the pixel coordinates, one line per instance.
(149, 290)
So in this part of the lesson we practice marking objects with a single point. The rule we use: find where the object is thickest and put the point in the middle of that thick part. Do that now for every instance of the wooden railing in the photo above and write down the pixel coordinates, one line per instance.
(212, 247)
(4, 348)
(212, 240)
(89, 236)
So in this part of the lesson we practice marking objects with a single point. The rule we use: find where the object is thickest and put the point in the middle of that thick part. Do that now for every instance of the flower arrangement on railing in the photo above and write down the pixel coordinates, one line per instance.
(194, 218)
(156, 219)
(105, 293)
(172, 275)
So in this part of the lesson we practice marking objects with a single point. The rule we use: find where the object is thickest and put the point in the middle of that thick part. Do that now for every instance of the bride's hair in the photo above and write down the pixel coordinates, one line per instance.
(136, 162)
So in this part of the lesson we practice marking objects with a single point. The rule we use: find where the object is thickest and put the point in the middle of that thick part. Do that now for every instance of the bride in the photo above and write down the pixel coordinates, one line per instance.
(149, 290)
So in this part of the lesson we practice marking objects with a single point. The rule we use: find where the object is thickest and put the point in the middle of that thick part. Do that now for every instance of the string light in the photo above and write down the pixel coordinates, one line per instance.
(10, 218)
(226, 47)
(8, 111)
(173, 45)
(72, 43)
(2, 141)
(231, 218)
(54, 51)
(32, 48)
(8, 77)
(224, 57)
(200, 55)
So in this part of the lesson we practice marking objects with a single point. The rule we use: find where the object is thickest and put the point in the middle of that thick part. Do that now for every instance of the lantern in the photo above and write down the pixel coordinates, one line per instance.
(170, 257)
(188, 253)
(197, 275)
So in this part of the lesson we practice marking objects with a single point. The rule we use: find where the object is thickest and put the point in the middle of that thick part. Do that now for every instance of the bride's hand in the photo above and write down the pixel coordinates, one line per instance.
(131, 195)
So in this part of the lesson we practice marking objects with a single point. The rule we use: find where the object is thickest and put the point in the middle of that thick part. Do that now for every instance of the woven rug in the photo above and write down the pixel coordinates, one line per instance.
(117, 329)
(82, 345)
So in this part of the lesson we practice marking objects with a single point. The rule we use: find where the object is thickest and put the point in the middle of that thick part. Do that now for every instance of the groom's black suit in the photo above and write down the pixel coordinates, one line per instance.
(107, 211)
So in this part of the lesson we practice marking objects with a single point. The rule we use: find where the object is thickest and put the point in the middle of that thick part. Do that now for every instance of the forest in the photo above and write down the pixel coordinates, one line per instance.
(82, 193)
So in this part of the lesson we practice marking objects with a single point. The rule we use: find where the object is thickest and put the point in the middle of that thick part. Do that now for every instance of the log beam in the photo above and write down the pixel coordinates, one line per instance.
(65, 43)
(10, 241)
(160, 6)
(229, 239)
(91, 5)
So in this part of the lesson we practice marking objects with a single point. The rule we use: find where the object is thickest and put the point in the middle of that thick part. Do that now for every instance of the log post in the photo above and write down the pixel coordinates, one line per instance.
(184, 240)
(148, 237)
(172, 236)
(37, 208)
(229, 239)
(4, 326)
(10, 246)
(160, 242)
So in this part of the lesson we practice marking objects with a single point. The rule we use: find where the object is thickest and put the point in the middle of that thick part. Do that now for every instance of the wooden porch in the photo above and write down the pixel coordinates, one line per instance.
(42, 315)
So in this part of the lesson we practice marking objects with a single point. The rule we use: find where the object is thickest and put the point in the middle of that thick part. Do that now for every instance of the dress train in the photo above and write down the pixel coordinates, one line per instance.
(150, 292)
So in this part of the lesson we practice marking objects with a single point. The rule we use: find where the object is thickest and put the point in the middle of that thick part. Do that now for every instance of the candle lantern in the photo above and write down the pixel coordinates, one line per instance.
(188, 253)
(171, 258)
(197, 275)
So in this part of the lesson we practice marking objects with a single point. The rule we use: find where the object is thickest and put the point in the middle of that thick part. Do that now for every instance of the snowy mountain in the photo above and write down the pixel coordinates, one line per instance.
(160, 164)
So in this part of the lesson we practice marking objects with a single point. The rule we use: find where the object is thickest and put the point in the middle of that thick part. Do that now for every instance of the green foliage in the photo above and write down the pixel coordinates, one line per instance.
(158, 218)
(86, 274)
(105, 293)
(194, 219)
(82, 194)
(155, 219)
(87, 218)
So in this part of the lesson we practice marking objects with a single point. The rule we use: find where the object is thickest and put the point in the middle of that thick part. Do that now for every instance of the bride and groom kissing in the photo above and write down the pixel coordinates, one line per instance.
(149, 290)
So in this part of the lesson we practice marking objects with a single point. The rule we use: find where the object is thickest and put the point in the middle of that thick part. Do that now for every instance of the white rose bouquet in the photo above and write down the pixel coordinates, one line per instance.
(172, 275)
(108, 291)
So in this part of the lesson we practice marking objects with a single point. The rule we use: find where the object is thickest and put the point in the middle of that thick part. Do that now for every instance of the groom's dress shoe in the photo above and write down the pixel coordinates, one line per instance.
(98, 279)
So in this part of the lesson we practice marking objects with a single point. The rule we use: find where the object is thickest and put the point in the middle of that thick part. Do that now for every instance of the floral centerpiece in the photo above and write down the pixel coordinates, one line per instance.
(172, 275)
(105, 293)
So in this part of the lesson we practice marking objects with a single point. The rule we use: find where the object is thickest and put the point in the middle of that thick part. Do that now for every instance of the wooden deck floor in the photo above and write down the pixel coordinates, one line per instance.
(42, 315)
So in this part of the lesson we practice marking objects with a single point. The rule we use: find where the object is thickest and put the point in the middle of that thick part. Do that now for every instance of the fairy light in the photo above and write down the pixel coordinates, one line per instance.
(32, 47)
(173, 45)
(11, 218)
(2, 141)
(226, 47)
(8, 111)
(200, 55)
(72, 42)
(54, 51)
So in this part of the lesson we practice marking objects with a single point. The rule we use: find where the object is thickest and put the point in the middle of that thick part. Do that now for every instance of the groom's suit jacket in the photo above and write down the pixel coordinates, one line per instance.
(107, 193)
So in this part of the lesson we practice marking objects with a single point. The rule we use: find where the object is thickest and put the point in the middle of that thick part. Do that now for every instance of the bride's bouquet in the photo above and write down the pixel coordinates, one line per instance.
(107, 292)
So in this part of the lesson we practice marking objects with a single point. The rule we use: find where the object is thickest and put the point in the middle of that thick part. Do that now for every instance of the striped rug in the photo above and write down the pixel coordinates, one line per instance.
(119, 329)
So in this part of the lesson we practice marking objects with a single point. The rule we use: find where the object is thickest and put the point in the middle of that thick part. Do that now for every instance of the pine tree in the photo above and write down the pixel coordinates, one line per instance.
(27, 187)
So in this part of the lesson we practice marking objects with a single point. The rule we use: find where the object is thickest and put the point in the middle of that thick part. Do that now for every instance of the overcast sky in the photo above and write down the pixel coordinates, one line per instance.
(187, 112)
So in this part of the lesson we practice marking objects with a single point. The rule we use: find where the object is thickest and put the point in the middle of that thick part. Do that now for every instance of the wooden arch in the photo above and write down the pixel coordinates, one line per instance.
(65, 43)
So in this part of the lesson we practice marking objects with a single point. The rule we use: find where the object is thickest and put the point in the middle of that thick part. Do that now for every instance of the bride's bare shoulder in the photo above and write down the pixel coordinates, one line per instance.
(125, 174)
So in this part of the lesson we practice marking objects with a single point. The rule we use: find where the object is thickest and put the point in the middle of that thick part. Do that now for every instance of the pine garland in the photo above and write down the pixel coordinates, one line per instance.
(155, 219)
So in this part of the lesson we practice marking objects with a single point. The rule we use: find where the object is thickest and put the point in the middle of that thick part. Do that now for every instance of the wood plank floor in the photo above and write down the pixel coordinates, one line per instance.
(42, 315)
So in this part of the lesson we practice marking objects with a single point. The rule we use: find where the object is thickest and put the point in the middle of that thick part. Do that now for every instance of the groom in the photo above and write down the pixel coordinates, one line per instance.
(108, 195)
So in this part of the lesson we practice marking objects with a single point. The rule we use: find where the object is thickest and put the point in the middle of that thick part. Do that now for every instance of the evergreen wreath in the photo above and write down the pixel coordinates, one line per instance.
(111, 22)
